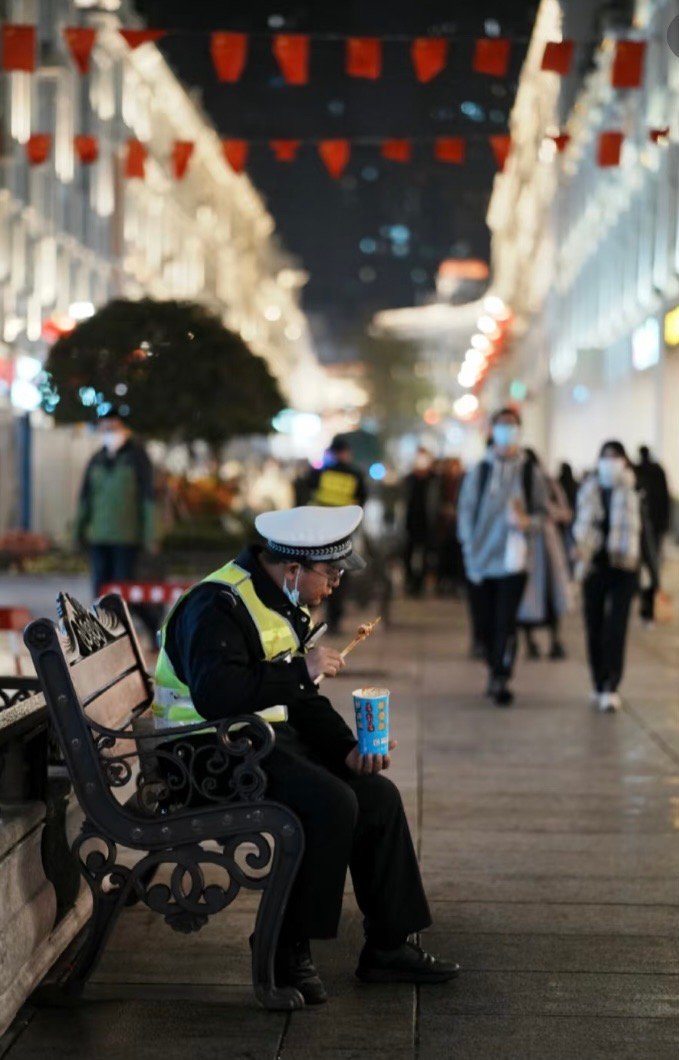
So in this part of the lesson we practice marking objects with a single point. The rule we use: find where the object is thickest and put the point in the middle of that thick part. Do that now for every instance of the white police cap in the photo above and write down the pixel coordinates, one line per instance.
(313, 534)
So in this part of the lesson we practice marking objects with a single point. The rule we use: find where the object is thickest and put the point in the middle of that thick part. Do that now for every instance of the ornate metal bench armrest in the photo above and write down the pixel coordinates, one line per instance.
(223, 766)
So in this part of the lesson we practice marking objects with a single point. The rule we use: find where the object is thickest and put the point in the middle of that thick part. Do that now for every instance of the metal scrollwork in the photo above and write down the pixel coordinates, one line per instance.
(183, 767)
(186, 900)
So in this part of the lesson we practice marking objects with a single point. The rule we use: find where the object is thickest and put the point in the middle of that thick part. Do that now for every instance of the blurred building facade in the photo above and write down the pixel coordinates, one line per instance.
(588, 257)
(72, 236)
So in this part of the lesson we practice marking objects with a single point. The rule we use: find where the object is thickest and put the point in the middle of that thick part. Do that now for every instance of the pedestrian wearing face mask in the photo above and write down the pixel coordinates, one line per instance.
(115, 516)
(611, 537)
(503, 502)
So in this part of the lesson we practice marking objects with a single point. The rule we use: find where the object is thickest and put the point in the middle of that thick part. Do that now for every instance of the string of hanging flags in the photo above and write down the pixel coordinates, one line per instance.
(363, 56)
(335, 154)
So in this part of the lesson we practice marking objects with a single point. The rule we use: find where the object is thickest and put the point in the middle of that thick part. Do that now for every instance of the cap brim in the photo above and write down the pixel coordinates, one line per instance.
(351, 562)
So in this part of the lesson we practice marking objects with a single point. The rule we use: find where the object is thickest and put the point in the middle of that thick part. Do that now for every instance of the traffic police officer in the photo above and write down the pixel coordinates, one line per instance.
(235, 644)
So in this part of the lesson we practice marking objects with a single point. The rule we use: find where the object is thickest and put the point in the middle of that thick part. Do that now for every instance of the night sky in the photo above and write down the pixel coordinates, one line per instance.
(373, 239)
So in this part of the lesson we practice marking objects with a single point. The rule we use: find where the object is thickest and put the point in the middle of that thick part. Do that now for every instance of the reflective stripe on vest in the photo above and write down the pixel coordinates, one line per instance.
(335, 489)
(172, 700)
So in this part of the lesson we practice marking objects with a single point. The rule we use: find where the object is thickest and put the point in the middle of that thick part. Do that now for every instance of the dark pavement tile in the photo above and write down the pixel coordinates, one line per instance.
(558, 953)
(551, 1038)
(552, 994)
(148, 1028)
(551, 918)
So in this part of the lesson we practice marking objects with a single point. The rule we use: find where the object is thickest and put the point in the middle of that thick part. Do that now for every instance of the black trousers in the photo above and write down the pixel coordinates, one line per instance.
(119, 563)
(416, 558)
(349, 821)
(607, 599)
(495, 604)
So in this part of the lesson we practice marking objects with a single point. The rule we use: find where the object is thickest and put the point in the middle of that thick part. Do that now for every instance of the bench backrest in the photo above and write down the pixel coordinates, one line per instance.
(94, 678)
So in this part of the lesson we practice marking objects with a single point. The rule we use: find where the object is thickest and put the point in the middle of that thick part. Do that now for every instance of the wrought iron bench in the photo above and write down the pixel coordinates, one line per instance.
(162, 798)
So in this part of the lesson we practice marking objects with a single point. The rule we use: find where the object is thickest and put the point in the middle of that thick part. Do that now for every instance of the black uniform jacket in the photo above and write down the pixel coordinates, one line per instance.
(215, 649)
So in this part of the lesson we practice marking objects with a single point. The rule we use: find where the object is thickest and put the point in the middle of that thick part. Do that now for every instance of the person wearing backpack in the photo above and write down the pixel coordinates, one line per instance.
(502, 503)
(613, 538)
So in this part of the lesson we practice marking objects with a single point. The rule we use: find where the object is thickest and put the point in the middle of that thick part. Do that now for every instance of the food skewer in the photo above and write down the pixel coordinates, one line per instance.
(365, 630)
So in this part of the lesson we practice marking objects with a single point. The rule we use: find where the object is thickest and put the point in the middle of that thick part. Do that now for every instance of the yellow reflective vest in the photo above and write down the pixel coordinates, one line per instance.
(335, 488)
(172, 704)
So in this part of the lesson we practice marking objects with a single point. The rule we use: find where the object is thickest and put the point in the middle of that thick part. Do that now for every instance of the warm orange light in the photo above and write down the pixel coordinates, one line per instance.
(431, 417)
(463, 269)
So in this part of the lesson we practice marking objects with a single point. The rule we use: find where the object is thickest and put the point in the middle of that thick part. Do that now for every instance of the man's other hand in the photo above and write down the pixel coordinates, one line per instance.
(324, 662)
(359, 763)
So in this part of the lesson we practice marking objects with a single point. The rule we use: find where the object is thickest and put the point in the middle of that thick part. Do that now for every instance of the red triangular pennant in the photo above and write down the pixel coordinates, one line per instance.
(38, 147)
(18, 47)
(429, 56)
(628, 64)
(659, 136)
(134, 38)
(86, 148)
(229, 53)
(335, 155)
(364, 57)
(397, 150)
(285, 150)
(501, 145)
(181, 156)
(135, 160)
(80, 41)
(562, 141)
(491, 56)
(292, 55)
(236, 153)
(558, 57)
(450, 149)
(609, 148)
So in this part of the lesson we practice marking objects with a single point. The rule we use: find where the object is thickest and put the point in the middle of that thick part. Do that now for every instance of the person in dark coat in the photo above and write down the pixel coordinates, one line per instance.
(352, 815)
(651, 478)
(421, 509)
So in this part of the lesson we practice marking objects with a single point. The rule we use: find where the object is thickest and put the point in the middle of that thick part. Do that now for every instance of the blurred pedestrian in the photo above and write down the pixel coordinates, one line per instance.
(337, 483)
(547, 594)
(611, 534)
(502, 503)
(568, 484)
(450, 571)
(421, 510)
(652, 481)
(115, 520)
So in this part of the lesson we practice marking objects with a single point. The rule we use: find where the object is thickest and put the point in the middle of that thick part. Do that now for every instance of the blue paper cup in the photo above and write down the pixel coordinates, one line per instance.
(372, 720)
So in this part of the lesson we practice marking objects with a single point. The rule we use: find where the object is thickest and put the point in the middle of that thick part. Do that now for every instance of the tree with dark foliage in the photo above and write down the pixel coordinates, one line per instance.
(172, 368)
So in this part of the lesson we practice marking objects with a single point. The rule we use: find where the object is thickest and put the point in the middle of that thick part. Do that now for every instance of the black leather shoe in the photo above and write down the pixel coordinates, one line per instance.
(408, 963)
(295, 967)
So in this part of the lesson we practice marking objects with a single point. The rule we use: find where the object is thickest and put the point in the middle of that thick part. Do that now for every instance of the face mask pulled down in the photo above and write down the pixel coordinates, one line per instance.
(292, 594)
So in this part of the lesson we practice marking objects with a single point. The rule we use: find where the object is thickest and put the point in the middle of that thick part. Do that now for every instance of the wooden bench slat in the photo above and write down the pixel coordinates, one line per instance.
(115, 705)
(96, 672)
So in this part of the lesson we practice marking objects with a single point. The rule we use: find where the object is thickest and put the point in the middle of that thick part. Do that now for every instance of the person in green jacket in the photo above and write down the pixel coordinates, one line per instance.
(115, 517)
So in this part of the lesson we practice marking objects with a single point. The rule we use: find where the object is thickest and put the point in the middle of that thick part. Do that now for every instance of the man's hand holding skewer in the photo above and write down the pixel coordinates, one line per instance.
(324, 662)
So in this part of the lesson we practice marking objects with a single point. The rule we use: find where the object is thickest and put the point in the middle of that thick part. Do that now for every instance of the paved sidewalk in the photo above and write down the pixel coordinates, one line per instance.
(549, 840)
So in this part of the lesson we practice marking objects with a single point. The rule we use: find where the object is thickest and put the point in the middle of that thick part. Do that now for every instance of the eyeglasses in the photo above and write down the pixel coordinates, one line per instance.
(333, 579)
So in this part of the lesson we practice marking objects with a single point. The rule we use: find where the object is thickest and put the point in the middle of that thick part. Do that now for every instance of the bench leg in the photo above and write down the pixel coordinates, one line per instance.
(97, 869)
(289, 846)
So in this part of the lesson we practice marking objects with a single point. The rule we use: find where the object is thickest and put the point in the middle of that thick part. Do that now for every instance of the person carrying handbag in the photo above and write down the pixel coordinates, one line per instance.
(502, 504)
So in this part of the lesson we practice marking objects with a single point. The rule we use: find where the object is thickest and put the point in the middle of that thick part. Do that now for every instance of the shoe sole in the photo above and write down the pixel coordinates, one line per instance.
(405, 977)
